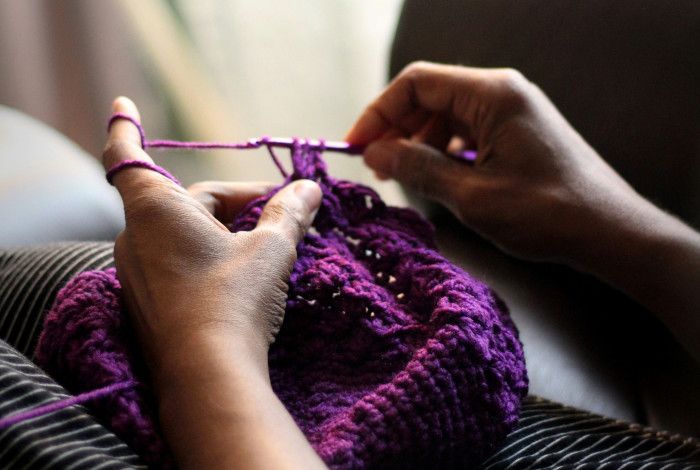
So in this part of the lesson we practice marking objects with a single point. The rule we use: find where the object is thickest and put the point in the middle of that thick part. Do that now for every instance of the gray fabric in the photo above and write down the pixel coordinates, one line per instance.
(30, 277)
(50, 190)
(67, 438)
(548, 435)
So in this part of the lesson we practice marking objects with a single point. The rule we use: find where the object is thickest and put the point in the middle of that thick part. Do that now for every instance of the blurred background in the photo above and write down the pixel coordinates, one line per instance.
(204, 70)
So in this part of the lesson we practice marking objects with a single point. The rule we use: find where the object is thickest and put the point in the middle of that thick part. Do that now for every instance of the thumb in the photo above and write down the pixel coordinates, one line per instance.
(291, 211)
(419, 167)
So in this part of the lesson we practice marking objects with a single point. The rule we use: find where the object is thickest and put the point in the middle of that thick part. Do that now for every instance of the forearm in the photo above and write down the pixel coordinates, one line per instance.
(218, 410)
(655, 259)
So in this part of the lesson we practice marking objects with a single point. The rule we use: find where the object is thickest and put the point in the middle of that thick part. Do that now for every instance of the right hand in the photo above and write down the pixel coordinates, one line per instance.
(536, 189)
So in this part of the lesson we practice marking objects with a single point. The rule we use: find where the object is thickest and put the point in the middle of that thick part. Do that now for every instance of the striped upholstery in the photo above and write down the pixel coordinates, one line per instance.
(549, 435)
(29, 280)
(69, 438)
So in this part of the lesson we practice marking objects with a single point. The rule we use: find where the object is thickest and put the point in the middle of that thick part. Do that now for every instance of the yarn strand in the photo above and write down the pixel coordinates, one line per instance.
(256, 143)
(387, 349)
(65, 403)
(467, 155)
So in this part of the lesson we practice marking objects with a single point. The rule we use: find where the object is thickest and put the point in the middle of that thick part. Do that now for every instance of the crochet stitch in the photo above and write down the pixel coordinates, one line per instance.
(389, 355)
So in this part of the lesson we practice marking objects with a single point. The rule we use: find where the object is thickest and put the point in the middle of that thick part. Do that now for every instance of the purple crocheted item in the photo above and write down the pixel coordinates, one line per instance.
(389, 355)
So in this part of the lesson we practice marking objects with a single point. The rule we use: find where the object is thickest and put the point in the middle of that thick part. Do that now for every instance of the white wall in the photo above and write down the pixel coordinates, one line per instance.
(293, 68)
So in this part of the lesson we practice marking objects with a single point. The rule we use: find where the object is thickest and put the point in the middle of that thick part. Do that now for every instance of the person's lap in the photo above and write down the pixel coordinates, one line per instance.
(548, 434)
(69, 437)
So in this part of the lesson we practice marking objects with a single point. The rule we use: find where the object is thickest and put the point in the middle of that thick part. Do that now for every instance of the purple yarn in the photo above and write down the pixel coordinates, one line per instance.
(467, 155)
(117, 116)
(269, 142)
(64, 403)
(139, 164)
(87, 344)
(389, 355)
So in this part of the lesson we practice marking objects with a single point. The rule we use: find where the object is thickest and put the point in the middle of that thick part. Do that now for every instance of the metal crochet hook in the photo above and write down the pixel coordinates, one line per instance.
(282, 142)
(269, 142)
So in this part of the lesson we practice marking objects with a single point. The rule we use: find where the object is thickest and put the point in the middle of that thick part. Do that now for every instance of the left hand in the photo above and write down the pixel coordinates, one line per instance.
(206, 304)
(185, 276)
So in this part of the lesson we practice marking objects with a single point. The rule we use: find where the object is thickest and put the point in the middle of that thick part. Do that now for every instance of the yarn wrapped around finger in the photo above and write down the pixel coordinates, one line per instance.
(389, 355)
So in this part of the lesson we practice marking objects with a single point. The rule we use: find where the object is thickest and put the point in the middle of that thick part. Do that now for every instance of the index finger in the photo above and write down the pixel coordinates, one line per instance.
(124, 133)
(434, 87)
(124, 143)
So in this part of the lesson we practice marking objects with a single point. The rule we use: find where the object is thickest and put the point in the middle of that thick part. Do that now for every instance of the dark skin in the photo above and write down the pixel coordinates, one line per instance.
(537, 189)
(208, 303)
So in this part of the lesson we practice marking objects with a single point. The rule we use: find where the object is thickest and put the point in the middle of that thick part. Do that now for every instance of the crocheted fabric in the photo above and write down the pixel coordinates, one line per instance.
(389, 355)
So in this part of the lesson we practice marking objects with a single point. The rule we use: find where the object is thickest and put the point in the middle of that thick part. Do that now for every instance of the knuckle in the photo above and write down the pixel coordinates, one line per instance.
(513, 87)
(511, 75)
(276, 211)
(289, 216)
(416, 69)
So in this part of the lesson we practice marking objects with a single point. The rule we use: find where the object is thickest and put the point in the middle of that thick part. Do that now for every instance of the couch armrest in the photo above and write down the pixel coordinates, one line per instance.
(50, 189)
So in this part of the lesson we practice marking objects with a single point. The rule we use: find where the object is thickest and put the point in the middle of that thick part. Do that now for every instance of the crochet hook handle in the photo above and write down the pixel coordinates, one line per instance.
(269, 142)
(283, 142)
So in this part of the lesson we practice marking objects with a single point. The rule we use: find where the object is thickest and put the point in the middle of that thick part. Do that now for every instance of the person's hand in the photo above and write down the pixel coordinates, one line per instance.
(536, 189)
(206, 304)
(184, 275)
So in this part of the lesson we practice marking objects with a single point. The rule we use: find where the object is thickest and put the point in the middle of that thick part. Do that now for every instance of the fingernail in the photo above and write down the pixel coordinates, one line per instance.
(379, 156)
(310, 193)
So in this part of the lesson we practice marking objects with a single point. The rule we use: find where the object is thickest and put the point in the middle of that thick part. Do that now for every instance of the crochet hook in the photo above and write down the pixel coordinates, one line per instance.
(283, 142)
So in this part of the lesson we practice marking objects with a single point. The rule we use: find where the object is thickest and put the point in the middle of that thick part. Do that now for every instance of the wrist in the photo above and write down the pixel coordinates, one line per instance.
(207, 357)
(654, 258)
(209, 397)
(614, 232)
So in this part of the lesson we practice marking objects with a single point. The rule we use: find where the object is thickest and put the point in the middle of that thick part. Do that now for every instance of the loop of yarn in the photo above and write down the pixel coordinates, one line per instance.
(117, 116)
(389, 356)
(111, 173)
